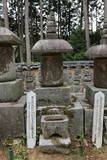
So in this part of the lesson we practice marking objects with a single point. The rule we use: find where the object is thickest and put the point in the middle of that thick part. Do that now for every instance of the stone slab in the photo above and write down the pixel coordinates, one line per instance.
(90, 93)
(11, 91)
(53, 96)
(55, 145)
(76, 120)
(12, 120)
(88, 121)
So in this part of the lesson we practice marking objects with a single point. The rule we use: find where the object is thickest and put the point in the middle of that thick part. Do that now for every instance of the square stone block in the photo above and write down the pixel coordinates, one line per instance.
(12, 120)
(55, 145)
(76, 119)
(90, 93)
(54, 125)
(11, 91)
(53, 95)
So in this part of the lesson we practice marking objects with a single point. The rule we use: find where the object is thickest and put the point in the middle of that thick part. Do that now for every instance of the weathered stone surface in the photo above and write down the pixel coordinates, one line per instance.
(54, 125)
(76, 119)
(67, 79)
(51, 46)
(90, 92)
(88, 121)
(100, 73)
(51, 71)
(105, 138)
(55, 111)
(11, 91)
(105, 123)
(55, 145)
(8, 37)
(12, 122)
(7, 65)
(50, 50)
(53, 95)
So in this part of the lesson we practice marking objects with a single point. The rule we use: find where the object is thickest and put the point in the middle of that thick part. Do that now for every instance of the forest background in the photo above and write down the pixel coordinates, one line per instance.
(80, 22)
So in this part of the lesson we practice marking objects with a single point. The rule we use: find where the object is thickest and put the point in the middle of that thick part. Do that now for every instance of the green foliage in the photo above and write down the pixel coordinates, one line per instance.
(78, 42)
(38, 133)
(95, 37)
(21, 154)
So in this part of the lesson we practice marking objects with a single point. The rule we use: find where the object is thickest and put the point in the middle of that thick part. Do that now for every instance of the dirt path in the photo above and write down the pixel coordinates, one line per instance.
(94, 155)
(3, 154)
(37, 155)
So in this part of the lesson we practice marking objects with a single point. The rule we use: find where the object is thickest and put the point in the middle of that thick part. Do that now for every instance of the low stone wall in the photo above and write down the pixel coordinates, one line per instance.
(75, 73)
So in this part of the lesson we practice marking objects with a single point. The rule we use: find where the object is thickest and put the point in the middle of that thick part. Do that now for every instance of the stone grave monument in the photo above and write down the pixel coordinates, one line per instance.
(50, 50)
(11, 90)
(99, 53)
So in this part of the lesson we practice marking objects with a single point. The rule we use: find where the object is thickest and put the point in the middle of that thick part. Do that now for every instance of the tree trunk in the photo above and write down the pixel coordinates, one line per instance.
(85, 6)
(105, 10)
(27, 31)
(81, 17)
(21, 34)
(5, 12)
(41, 20)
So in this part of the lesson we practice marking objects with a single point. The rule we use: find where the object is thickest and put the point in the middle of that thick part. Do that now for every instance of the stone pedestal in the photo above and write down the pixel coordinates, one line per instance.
(58, 145)
(76, 119)
(53, 96)
(11, 91)
(12, 120)
(90, 93)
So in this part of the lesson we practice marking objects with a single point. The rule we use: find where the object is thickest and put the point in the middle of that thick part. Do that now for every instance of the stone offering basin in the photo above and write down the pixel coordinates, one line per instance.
(54, 125)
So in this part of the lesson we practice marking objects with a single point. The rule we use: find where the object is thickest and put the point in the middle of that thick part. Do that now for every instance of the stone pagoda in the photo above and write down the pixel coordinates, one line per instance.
(99, 53)
(11, 89)
(50, 51)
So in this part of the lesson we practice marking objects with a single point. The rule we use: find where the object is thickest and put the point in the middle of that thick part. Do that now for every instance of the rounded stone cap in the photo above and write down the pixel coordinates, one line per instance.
(8, 37)
(51, 46)
(97, 51)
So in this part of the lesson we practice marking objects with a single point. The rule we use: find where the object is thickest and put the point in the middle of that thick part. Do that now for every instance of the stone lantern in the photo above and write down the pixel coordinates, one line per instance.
(51, 50)
(10, 88)
(12, 103)
(99, 53)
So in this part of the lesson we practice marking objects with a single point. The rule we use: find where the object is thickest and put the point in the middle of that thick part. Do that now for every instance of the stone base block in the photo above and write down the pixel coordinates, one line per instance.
(54, 124)
(12, 121)
(76, 119)
(90, 93)
(11, 91)
(55, 145)
(53, 96)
